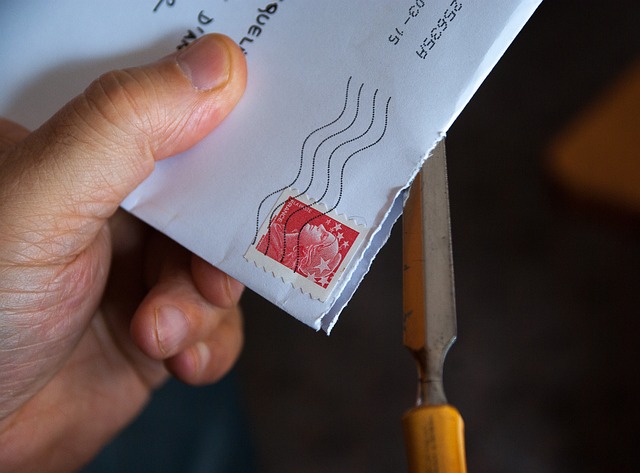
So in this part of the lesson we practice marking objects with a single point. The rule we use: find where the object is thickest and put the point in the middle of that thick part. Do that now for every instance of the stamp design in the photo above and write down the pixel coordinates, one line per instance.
(306, 245)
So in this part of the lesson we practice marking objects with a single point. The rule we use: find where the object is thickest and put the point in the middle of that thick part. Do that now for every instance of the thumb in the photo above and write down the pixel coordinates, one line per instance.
(74, 171)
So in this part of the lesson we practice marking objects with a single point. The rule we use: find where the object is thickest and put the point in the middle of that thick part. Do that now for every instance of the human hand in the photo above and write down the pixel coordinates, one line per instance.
(96, 309)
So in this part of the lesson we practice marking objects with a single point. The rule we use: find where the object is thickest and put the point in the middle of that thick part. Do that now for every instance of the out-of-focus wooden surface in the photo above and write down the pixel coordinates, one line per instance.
(597, 157)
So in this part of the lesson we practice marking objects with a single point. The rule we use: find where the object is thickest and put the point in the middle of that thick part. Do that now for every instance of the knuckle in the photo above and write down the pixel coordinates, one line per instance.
(113, 113)
(119, 98)
(135, 106)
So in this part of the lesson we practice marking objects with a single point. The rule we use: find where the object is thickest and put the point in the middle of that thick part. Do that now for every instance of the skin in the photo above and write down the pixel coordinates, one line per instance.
(84, 286)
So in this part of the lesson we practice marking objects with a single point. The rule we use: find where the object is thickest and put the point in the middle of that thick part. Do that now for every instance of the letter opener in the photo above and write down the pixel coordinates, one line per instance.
(433, 429)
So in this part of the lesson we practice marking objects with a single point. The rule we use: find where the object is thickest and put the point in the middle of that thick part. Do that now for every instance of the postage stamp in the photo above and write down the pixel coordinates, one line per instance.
(305, 244)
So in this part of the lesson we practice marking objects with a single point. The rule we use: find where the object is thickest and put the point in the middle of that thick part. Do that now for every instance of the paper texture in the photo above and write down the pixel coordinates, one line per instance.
(295, 193)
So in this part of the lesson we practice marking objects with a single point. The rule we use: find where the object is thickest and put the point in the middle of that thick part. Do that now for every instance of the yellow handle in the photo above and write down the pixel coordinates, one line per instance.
(434, 438)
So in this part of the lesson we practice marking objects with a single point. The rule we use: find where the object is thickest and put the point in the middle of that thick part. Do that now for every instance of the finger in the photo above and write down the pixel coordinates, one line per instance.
(217, 287)
(208, 360)
(77, 168)
(175, 320)
(11, 133)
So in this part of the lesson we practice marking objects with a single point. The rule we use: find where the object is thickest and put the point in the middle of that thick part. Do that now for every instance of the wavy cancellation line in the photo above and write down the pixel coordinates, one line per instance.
(332, 157)
(313, 162)
(300, 167)
(384, 131)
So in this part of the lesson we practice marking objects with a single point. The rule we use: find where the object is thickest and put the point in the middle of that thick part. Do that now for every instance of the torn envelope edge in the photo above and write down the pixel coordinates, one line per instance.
(380, 235)
(377, 240)
(353, 275)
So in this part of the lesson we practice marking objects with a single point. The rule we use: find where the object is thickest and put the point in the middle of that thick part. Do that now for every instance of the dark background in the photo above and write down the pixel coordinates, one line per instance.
(546, 364)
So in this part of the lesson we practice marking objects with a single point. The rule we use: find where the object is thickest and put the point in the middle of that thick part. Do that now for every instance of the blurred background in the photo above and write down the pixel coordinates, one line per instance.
(545, 368)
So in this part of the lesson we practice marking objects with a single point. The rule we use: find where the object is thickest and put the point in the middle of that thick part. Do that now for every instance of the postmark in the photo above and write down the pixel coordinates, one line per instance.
(305, 244)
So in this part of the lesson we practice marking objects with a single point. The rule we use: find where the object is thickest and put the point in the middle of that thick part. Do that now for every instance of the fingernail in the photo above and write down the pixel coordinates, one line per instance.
(234, 289)
(204, 356)
(206, 62)
(171, 327)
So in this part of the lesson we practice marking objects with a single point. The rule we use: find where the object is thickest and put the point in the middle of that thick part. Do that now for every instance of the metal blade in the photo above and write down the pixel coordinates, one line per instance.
(430, 317)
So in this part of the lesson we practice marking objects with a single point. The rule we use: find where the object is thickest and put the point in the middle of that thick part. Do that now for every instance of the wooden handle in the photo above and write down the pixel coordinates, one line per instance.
(434, 438)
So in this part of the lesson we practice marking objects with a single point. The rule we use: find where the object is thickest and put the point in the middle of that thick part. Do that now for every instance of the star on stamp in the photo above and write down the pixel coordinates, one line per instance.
(305, 244)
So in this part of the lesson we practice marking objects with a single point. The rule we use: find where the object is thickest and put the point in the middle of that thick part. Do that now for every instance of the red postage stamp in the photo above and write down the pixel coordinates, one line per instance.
(305, 244)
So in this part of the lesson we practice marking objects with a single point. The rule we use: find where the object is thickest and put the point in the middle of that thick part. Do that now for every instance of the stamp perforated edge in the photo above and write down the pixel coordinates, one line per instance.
(279, 270)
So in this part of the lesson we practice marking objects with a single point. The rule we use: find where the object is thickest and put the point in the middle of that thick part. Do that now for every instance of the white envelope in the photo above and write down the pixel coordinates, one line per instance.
(297, 190)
